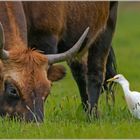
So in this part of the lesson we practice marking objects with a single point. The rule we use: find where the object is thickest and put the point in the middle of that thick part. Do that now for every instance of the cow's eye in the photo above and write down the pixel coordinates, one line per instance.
(11, 90)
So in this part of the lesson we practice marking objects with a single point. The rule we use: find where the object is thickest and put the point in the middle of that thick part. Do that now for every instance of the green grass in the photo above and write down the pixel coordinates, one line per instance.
(64, 117)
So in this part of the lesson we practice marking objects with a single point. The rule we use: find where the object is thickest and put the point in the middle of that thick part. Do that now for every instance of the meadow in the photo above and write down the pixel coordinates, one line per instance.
(64, 117)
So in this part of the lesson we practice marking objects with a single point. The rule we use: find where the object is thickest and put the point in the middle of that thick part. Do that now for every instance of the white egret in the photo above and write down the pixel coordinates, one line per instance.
(132, 97)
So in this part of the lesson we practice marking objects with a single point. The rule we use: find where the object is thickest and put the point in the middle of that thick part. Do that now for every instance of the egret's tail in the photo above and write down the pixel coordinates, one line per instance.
(111, 70)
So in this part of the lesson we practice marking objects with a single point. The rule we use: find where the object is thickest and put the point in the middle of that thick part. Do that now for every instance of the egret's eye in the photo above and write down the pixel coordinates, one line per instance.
(11, 90)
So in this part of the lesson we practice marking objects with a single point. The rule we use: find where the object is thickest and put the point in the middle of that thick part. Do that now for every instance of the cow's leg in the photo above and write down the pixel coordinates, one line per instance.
(97, 59)
(79, 70)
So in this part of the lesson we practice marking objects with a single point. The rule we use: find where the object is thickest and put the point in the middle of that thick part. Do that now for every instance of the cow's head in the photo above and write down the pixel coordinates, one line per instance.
(25, 79)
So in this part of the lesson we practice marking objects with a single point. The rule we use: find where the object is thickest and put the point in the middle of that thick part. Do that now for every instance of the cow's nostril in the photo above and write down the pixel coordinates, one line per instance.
(35, 115)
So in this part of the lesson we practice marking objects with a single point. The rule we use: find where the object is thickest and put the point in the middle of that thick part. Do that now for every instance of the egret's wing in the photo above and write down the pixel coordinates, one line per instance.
(134, 103)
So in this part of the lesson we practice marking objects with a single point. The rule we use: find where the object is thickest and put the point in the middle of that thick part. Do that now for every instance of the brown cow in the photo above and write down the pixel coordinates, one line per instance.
(23, 71)
(52, 27)
(58, 25)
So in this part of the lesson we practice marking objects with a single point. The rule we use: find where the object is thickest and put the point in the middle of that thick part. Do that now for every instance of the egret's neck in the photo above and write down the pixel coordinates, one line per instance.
(125, 86)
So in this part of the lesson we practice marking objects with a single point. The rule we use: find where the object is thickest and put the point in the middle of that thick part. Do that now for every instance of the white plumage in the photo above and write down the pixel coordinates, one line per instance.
(132, 97)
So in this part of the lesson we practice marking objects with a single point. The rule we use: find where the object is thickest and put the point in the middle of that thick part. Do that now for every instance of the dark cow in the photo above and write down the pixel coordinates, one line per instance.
(61, 25)
(52, 27)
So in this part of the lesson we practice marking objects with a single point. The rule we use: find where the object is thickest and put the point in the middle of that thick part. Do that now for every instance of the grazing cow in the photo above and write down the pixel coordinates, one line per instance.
(24, 72)
(52, 27)
(61, 25)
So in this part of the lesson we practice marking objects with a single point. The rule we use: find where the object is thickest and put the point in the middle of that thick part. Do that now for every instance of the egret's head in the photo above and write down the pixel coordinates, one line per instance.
(119, 78)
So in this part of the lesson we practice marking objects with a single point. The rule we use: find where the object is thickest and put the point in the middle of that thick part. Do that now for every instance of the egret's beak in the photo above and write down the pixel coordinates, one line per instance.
(111, 79)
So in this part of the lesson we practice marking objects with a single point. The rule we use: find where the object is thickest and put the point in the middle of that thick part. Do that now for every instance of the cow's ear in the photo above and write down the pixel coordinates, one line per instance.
(56, 72)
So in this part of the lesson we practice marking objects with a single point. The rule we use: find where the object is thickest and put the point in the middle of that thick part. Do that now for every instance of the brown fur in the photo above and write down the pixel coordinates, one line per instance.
(60, 17)
(29, 66)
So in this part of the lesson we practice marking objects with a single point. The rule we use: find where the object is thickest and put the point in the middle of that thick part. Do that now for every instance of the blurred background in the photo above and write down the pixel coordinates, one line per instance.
(126, 41)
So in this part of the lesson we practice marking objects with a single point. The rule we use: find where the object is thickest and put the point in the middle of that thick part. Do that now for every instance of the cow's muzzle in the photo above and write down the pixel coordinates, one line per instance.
(36, 112)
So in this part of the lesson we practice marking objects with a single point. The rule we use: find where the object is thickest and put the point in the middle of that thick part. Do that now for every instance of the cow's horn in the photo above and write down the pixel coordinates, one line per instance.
(54, 58)
(3, 53)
